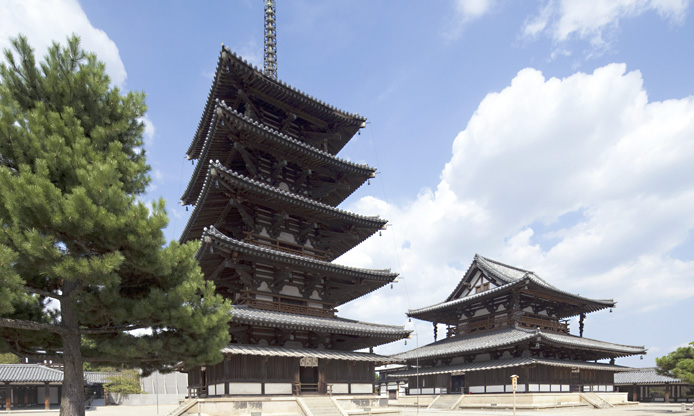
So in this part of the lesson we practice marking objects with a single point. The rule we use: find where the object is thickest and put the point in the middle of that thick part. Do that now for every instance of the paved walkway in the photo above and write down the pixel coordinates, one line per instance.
(643, 409)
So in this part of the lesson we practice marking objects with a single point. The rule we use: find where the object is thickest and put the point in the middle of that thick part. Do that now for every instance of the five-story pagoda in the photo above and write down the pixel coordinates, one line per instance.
(265, 190)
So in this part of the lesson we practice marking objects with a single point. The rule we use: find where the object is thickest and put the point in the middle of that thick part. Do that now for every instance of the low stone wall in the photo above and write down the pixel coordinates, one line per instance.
(614, 398)
(144, 399)
(225, 406)
(424, 400)
(361, 402)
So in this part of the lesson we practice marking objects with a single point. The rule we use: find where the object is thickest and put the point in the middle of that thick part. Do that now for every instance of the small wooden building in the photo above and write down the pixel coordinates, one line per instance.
(646, 385)
(502, 320)
(265, 191)
(29, 386)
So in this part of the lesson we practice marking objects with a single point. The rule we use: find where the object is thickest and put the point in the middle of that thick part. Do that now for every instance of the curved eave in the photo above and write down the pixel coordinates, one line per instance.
(509, 337)
(270, 196)
(385, 333)
(448, 312)
(255, 80)
(213, 238)
(281, 145)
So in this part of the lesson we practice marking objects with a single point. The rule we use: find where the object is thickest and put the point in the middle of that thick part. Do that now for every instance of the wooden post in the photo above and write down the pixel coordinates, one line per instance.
(514, 385)
(8, 397)
(46, 396)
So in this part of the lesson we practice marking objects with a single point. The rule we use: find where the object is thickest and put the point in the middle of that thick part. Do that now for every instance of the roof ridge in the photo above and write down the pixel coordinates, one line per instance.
(477, 256)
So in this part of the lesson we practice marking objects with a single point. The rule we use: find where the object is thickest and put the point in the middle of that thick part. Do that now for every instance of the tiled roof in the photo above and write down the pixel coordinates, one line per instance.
(219, 238)
(505, 363)
(512, 336)
(274, 193)
(644, 376)
(98, 377)
(511, 277)
(271, 87)
(304, 352)
(288, 144)
(29, 373)
(247, 315)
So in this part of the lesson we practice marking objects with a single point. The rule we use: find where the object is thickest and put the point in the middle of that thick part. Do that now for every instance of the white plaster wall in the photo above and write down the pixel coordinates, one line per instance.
(245, 388)
(361, 388)
(340, 388)
(290, 291)
(278, 388)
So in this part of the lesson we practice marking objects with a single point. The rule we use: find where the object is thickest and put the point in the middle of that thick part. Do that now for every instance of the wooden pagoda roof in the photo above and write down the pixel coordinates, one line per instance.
(354, 282)
(508, 337)
(506, 363)
(381, 333)
(217, 145)
(234, 73)
(242, 349)
(212, 202)
(507, 278)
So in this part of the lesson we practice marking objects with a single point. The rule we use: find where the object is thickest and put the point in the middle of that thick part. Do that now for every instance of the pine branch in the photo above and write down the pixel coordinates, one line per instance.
(43, 293)
(93, 331)
(32, 326)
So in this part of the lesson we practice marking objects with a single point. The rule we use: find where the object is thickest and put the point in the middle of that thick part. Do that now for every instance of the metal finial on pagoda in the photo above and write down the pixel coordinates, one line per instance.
(270, 49)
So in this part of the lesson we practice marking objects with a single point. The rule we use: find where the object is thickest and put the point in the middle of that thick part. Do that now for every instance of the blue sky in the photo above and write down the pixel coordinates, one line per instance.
(556, 136)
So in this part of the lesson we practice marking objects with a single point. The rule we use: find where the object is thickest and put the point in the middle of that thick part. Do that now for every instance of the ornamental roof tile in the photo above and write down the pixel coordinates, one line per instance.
(506, 363)
(484, 341)
(232, 349)
(644, 376)
(29, 373)
(247, 315)
(223, 240)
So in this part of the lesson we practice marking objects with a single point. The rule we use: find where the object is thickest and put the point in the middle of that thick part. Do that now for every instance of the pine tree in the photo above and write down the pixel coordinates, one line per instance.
(83, 261)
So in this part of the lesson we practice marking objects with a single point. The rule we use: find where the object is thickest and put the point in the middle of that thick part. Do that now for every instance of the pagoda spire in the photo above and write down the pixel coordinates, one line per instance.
(270, 49)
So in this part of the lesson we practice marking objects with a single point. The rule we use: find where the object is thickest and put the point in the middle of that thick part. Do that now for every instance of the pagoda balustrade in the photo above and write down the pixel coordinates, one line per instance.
(485, 324)
(285, 246)
(544, 323)
(286, 304)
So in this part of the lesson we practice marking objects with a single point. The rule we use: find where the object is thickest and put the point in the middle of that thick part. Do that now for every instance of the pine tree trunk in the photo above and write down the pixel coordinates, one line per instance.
(72, 399)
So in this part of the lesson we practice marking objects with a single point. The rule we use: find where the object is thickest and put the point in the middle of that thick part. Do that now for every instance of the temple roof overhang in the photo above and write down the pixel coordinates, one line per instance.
(212, 203)
(29, 373)
(384, 333)
(506, 363)
(240, 349)
(571, 305)
(644, 376)
(234, 78)
(506, 280)
(349, 282)
(510, 337)
(219, 142)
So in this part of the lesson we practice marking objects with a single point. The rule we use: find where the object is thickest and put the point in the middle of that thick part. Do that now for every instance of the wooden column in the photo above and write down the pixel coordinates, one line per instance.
(46, 396)
(581, 319)
(8, 396)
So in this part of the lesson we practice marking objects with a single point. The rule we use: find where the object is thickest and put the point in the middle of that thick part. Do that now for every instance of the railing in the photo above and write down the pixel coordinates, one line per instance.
(305, 388)
(289, 308)
(543, 323)
(285, 246)
(487, 323)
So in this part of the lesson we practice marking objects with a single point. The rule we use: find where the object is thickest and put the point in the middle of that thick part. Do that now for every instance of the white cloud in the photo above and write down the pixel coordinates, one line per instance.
(596, 21)
(590, 147)
(45, 21)
(466, 11)
(148, 134)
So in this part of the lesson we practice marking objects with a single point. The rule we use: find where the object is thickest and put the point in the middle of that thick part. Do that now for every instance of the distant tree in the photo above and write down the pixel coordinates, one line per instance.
(125, 382)
(679, 363)
(83, 261)
(8, 358)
